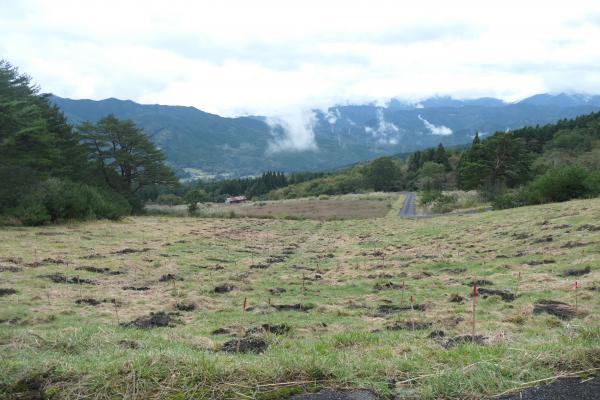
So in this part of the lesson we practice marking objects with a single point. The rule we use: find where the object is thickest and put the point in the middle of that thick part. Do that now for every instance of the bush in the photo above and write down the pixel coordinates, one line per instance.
(57, 200)
(439, 202)
(592, 184)
(510, 199)
(559, 184)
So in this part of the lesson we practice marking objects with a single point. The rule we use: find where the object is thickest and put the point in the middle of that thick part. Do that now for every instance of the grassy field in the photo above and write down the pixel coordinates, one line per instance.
(326, 208)
(333, 297)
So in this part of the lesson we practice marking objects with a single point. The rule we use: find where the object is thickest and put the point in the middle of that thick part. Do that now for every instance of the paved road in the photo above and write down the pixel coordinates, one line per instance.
(409, 209)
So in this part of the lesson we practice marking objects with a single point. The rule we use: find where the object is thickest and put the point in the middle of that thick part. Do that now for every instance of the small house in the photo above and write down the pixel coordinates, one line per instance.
(235, 199)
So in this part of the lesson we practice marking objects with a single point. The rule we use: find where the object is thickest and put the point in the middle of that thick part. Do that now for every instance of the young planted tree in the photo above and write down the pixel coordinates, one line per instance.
(125, 158)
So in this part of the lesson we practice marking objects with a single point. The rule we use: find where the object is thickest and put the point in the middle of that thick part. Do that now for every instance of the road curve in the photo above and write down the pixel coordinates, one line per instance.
(409, 208)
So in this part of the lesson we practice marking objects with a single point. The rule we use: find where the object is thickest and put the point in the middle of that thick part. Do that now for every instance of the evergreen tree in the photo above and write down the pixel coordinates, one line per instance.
(125, 157)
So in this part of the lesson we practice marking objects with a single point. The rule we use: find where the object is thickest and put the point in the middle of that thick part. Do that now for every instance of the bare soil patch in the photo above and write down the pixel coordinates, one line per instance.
(7, 291)
(154, 320)
(556, 308)
(248, 344)
(458, 340)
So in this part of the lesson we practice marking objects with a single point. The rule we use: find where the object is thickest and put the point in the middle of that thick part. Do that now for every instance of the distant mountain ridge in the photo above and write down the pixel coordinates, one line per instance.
(200, 144)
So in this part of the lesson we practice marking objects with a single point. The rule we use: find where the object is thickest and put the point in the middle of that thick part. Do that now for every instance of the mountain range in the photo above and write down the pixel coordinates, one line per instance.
(202, 145)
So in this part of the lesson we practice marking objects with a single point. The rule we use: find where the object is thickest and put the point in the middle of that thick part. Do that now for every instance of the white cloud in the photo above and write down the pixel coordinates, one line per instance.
(269, 57)
(385, 132)
(293, 131)
(436, 129)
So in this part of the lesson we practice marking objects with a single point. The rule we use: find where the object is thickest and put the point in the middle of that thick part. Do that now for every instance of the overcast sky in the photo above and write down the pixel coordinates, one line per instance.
(269, 57)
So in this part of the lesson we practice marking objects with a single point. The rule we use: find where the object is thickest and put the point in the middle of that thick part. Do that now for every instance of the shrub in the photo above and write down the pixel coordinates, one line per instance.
(559, 184)
(592, 184)
(59, 200)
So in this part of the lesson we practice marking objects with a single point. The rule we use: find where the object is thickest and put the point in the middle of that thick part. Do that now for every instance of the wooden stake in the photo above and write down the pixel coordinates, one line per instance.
(114, 301)
(242, 319)
(402, 298)
(576, 287)
(474, 305)
(79, 284)
(412, 309)
(518, 282)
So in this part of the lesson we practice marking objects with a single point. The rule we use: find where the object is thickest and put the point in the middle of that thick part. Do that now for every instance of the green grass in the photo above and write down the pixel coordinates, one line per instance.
(76, 350)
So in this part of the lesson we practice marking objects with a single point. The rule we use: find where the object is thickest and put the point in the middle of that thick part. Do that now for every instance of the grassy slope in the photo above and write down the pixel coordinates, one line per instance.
(77, 349)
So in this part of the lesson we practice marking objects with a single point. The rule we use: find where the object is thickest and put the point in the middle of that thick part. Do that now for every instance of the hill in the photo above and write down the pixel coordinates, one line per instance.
(205, 144)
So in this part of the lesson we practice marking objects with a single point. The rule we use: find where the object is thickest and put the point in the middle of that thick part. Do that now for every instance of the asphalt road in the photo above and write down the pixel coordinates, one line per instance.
(409, 208)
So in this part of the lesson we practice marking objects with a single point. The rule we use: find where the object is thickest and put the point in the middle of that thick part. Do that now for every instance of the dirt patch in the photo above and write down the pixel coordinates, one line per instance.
(131, 251)
(503, 294)
(50, 260)
(154, 320)
(98, 270)
(221, 331)
(458, 340)
(577, 271)
(248, 344)
(276, 259)
(277, 290)
(259, 266)
(276, 329)
(10, 268)
(544, 239)
(73, 280)
(480, 282)
(137, 288)
(224, 288)
(438, 334)
(570, 388)
(293, 307)
(90, 301)
(590, 228)
(408, 325)
(185, 306)
(387, 309)
(556, 308)
(388, 285)
(7, 292)
(456, 298)
(169, 278)
(453, 271)
(334, 395)
(573, 244)
(540, 262)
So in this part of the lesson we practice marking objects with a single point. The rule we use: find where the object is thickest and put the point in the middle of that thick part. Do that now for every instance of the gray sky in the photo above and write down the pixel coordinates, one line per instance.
(270, 57)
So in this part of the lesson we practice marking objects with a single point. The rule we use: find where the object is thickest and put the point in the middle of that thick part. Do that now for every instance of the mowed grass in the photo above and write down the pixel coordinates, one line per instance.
(69, 350)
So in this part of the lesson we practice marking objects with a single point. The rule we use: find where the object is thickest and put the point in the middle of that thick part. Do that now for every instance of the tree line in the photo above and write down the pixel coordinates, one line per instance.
(51, 171)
